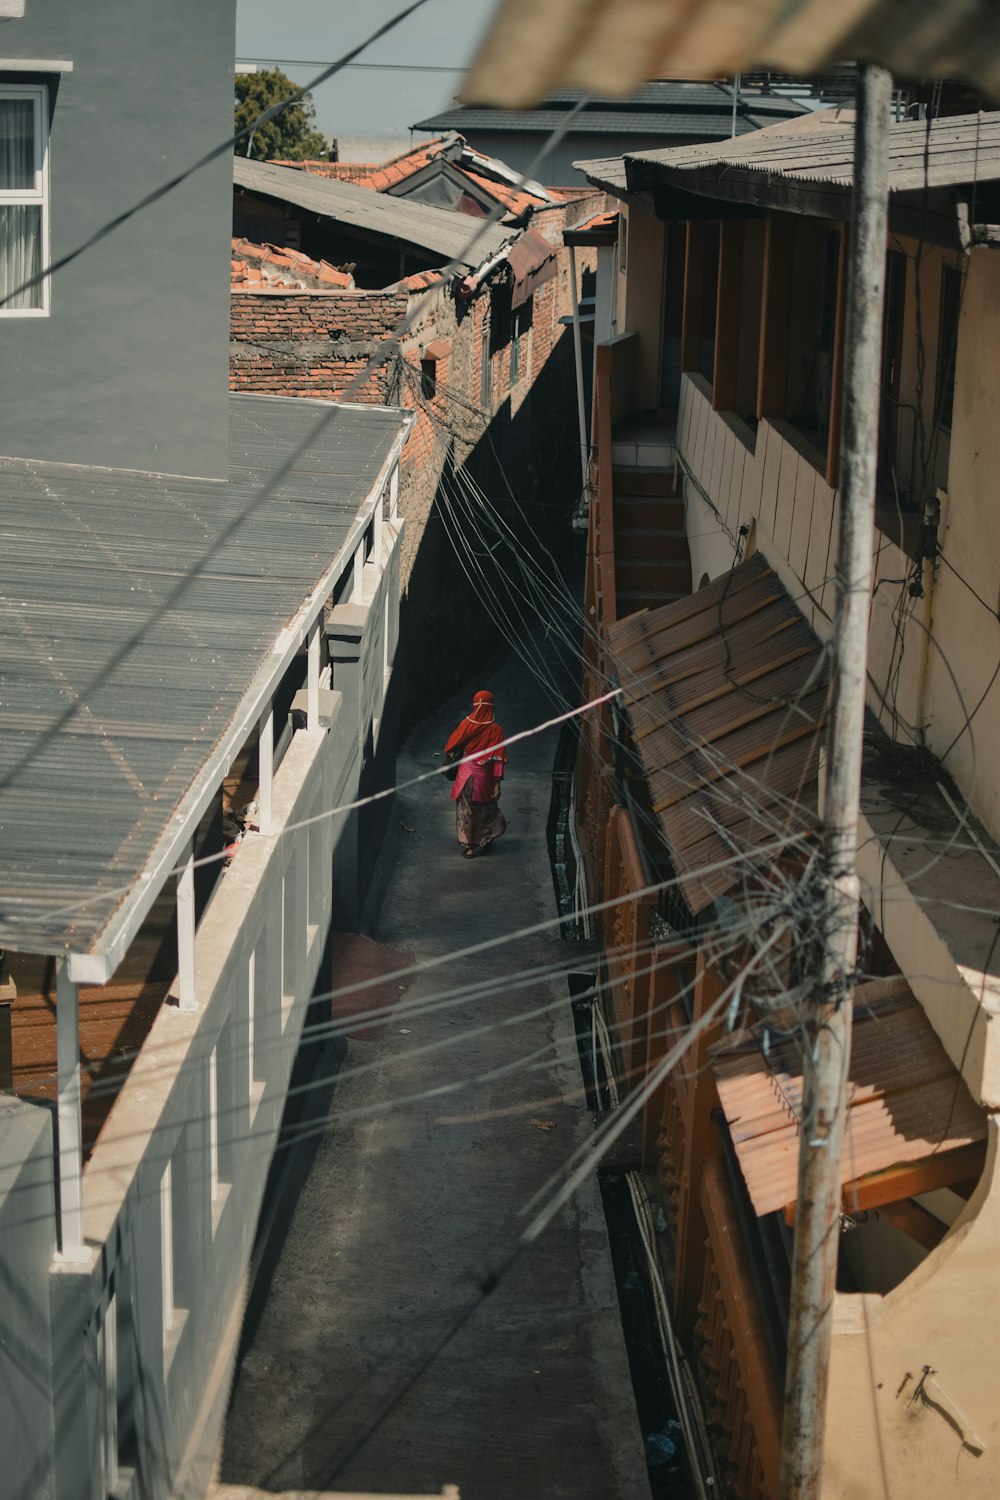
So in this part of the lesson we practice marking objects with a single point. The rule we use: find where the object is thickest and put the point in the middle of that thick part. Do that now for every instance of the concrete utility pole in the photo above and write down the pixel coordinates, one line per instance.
(827, 1021)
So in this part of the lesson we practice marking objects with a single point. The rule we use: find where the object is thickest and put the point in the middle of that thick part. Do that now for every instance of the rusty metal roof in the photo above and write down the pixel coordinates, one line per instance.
(906, 1101)
(535, 46)
(533, 262)
(726, 693)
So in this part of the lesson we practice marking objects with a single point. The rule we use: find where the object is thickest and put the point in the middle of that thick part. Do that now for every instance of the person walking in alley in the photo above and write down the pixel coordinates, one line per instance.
(476, 789)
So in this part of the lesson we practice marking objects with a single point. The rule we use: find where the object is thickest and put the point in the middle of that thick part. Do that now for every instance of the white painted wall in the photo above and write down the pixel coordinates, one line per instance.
(258, 954)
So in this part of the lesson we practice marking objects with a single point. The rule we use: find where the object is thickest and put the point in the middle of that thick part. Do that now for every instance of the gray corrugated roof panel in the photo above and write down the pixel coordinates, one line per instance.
(137, 613)
(436, 230)
(595, 122)
(659, 101)
(954, 150)
(605, 171)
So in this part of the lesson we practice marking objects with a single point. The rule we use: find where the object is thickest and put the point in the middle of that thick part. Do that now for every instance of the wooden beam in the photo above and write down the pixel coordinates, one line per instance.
(727, 315)
(932, 216)
(694, 282)
(674, 205)
(776, 316)
(836, 386)
(915, 1222)
(909, 1179)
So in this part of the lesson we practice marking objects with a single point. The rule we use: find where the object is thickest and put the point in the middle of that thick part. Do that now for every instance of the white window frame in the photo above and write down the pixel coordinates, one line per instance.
(39, 95)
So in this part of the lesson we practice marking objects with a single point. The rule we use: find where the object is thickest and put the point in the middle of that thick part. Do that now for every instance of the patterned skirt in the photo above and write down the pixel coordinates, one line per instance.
(478, 823)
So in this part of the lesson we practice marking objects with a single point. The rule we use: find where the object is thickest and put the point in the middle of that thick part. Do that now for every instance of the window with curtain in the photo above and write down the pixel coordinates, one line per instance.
(22, 199)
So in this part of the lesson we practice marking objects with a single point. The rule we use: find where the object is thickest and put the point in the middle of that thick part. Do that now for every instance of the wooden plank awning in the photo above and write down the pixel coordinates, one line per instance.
(726, 692)
(907, 1105)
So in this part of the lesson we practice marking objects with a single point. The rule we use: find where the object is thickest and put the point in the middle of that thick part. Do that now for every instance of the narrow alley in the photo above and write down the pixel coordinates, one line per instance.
(416, 1194)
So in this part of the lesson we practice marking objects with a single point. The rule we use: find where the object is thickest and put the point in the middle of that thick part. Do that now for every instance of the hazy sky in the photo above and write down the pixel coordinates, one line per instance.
(361, 101)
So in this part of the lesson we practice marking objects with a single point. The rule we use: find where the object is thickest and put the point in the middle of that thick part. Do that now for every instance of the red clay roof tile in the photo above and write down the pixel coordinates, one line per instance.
(283, 268)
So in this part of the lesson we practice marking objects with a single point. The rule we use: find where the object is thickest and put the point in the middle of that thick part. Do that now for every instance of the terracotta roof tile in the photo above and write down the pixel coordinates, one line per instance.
(598, 221)
(283, 269)
(513, 200)
(420, 280)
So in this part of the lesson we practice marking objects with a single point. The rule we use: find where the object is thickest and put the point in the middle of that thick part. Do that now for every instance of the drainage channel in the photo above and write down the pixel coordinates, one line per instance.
(667, 1461)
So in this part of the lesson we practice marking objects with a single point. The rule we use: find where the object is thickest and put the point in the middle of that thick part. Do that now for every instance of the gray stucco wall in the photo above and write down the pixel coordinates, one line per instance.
(27, 1234)
(130, 368)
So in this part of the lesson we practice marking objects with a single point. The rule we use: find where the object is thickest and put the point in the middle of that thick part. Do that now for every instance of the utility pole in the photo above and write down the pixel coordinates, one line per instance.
(827, 1021)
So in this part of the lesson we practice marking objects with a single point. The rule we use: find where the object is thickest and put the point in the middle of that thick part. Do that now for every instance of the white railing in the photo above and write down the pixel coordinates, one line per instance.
(148, 1312)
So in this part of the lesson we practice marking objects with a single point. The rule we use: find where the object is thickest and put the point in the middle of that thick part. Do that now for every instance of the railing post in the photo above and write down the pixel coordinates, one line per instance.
(312, 678)
(185, 934)
(69, 1117)
(265, 769)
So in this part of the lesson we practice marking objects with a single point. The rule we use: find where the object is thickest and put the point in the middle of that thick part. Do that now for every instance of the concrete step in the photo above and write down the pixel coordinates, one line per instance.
(648, 513)
(651, 574)
(630, 601)
(632, 545)
(654, 481)
(647, 449)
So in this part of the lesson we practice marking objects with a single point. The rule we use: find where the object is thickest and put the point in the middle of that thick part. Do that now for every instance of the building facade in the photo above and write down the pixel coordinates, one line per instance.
(482, 355)
(718, 397)
(198, 628)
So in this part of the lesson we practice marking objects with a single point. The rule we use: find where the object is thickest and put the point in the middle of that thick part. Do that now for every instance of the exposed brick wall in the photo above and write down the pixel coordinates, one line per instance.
(315, 343)
(310, 343)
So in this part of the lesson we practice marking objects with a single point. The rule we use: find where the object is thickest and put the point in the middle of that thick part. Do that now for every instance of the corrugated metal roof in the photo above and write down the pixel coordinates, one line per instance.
(533, 262)
(605, 171)
(535, 46)
(606, 122)
(436, 230)
(943, 153)
(726, 692)
(136, 610)
(905, 1099)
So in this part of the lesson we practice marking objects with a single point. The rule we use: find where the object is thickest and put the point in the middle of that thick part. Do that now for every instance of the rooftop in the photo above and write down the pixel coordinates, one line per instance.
(490, 176)
(940, 153)
(142, 618)
(614, 46)
(657, 108)
(435, 230)
(726, 693)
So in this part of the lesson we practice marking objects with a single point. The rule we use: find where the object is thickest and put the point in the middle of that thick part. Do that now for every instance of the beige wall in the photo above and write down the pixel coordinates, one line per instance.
(640, 295)
(945, 1313)
(944, 1317)
(968, 634)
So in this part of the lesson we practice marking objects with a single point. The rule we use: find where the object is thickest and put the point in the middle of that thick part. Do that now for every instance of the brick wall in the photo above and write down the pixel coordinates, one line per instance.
(314, 343)
(285, 343)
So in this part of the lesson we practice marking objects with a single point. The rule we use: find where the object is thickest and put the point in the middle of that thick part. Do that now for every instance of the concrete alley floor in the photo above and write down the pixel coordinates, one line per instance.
(408, 1207)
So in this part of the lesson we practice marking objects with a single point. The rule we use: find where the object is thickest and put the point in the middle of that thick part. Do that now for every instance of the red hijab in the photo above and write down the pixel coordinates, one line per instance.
(478, 732)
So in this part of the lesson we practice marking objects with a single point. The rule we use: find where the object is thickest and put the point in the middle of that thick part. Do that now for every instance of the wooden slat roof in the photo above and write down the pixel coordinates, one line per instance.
(726, 693)
(906, 1101)
(946, 153)
(535, 46)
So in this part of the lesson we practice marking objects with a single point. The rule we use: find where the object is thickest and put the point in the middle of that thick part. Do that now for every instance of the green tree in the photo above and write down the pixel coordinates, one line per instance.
(289, 135)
